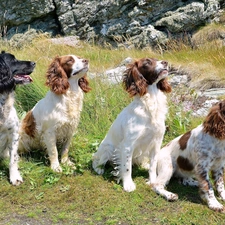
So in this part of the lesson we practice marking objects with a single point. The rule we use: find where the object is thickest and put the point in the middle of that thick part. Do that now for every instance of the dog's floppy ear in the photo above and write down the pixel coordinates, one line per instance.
(214, 123)
(133, 81)
(84, 84)
(57, 79)
(7, 83)
(164, 86)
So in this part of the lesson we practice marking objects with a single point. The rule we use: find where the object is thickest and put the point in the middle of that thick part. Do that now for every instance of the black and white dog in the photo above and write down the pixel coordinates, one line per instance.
(12, 72)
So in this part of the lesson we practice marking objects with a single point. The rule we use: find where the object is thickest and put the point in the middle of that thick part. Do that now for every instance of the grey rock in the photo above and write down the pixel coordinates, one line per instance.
(69, 40)
(115, 75)
(21, 40)
(213, 92)
(129, 23)
(204, 108)
(178, 79)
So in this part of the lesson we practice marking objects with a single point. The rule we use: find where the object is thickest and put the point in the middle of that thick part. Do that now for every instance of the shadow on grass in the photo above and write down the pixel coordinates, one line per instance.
(188, 193)
(38, 157)
(4, 168)
(109, 169)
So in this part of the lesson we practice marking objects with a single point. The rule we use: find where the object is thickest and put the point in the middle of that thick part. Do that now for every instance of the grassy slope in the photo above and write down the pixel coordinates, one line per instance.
(80, 196)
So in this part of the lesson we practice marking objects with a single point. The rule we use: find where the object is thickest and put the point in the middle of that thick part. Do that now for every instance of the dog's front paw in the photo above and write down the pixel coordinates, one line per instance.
(56, 168)
(16, 179)
(171, 197)
(216, 206)
(160, 189)
(129, 186)
(190, 182)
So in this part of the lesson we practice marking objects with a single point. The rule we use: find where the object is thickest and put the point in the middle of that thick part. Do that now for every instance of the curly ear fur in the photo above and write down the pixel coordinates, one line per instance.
(7, 83)
(29, 124)
(214, 123)
(84, 84)
(56, 78)
(164, 86)
(134, 82)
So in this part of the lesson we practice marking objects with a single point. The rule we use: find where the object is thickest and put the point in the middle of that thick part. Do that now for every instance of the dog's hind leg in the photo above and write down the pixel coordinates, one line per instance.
(103, 155)
(190, 181)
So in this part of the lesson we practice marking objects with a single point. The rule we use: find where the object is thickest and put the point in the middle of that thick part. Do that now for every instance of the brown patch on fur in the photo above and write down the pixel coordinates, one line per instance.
(164, 86)
(204, 183)
(29, 124)
(184, 139)
(134, 82)
(57, 78)
(84, 84)
(184, 164)
(214, 123)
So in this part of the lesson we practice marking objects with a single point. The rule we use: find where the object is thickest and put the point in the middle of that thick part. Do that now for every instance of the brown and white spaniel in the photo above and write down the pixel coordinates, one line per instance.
(136, 134)
(54, 119)
(193, 155)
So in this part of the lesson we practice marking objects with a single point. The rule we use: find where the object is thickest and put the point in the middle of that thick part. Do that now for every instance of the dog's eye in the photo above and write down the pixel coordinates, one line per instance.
(14, 60)
(145, 64)
(69, 61)
(148, 62)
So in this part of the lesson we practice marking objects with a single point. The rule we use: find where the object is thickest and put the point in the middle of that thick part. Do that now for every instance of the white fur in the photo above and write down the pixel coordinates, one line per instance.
(135, 136)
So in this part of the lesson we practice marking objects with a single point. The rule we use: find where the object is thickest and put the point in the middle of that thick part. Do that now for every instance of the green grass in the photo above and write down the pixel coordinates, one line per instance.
(79, 196)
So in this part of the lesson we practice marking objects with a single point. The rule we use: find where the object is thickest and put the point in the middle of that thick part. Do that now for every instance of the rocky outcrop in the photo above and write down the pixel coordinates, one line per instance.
(128, 23)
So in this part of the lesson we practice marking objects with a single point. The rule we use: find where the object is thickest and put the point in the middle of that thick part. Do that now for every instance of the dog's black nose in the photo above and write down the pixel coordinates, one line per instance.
(33, 63)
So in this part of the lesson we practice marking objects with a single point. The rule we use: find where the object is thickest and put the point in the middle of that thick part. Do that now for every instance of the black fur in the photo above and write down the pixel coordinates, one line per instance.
(9, 67)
